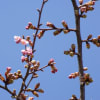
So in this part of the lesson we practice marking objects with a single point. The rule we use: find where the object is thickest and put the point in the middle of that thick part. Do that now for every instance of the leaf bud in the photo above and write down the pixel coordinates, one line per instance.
(58, 31)
(89, 37)
(40, 90)
(49, 24)
(66, 52)
(35, 93)
(37, 86)
(80, 1)
(83, 16)
(73, 46)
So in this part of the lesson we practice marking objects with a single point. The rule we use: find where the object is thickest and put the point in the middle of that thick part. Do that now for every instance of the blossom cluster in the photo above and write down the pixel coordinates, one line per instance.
(88, 6)
(86, 78)
(10, 77)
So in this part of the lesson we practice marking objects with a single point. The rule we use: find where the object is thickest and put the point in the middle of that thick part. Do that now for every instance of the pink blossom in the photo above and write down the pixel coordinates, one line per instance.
(24, 42)
(29, 50)
(22, 58)
(30, 98)
(24, 52)
(17, 39)
(51, 61)
(27, 27)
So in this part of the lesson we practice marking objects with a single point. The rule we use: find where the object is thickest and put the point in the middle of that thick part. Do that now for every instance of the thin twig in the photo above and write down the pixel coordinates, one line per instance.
(5, 88)
(34, 40)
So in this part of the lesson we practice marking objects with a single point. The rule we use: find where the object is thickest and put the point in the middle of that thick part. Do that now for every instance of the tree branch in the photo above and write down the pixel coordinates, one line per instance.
(34, 40)
(79, 42)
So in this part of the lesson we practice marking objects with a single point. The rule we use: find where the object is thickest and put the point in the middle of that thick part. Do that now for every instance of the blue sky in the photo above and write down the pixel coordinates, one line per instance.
(15, 15)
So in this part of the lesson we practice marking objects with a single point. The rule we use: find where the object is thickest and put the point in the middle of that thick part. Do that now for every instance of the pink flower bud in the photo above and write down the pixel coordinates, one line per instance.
(22, 58)
(8, 69)
(80, 1)
(29, 51)
(51, 61)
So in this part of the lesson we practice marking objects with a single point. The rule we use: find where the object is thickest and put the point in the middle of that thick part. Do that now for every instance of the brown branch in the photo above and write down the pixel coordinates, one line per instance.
(41, 69)
(34, 40)
(47, 29)
(79, 42)
(5, 88)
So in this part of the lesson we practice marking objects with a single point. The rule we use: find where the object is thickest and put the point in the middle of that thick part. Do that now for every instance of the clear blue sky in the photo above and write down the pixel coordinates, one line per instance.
(14, 16)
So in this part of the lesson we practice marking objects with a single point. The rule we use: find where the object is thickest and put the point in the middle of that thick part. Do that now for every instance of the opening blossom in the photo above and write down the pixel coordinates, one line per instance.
(23, 58)
(18, 39)
(28, 51)
(30, 98)
(24, 42)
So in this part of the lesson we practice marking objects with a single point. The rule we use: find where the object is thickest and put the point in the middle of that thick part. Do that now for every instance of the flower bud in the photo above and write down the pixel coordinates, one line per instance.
(8, 69)
(90, 3)
(88, 45)
(85, 68)
(64, 24)
(23, 58)
(99, 37)
(80, 1)
(73, 46)
(40, 34)
(28, 38)
(53, 69)
(65, 31)
(70, 76)
(71, 53)
(30, 98)
(57, 32)
(89, 37)
(33, 62)
(40, 90)
(83, 16)
(19, 71)
(94, 40)
(51, 61)
(66, 52)
(37, 86)
(35, 93)
(50, 25)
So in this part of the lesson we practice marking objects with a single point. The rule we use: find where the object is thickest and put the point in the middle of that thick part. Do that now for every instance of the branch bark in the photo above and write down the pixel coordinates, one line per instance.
(79, 43)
